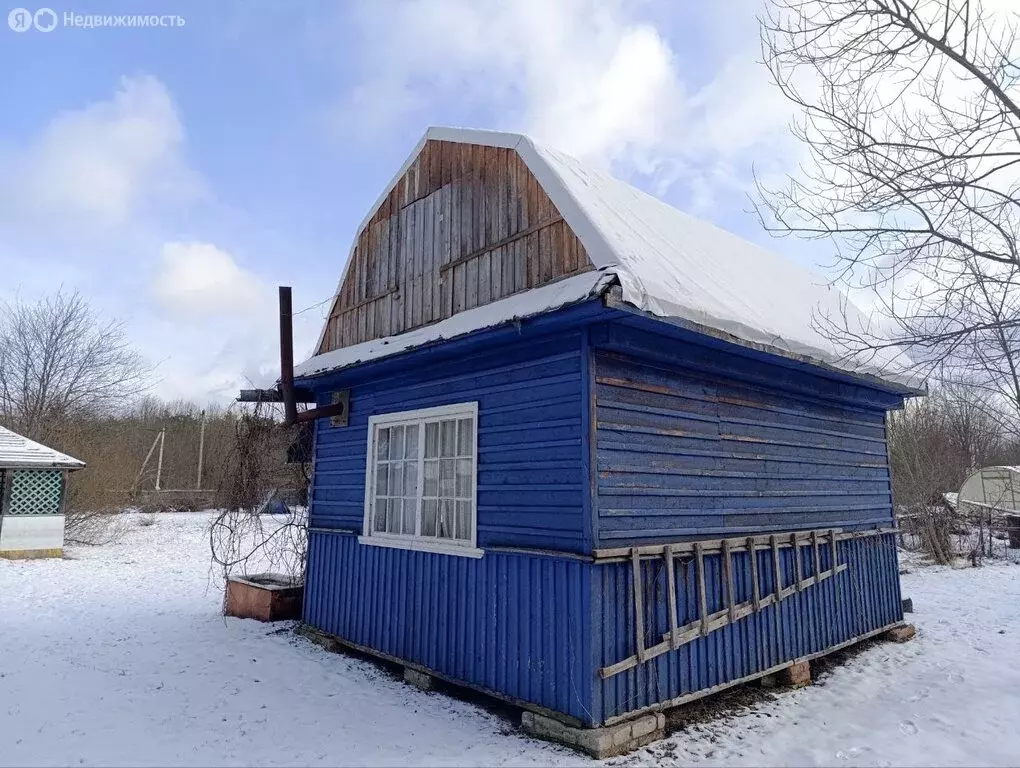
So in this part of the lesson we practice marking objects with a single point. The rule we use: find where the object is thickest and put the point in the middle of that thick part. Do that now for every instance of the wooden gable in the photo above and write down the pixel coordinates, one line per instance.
(465, 226)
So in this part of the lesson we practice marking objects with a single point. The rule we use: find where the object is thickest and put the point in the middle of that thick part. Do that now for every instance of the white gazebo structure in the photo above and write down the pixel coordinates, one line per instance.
(33, 479)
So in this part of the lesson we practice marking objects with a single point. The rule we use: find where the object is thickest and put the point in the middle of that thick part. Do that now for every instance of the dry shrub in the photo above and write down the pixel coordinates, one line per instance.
(247, 537)
(93, 527)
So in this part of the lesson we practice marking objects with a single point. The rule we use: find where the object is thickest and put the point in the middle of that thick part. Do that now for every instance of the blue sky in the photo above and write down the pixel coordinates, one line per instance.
(177, 175)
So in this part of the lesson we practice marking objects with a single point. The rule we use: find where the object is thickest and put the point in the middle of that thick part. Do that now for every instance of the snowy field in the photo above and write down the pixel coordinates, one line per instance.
(117, 655)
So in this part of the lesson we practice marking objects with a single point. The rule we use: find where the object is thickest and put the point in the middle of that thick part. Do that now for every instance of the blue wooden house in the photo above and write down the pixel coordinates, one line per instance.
(595, 459)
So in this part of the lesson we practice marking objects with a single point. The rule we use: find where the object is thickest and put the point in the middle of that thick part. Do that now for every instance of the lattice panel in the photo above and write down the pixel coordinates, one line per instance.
(35, 492)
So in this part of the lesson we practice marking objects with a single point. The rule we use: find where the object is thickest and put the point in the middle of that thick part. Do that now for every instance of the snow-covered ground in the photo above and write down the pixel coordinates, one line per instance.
(118, 655)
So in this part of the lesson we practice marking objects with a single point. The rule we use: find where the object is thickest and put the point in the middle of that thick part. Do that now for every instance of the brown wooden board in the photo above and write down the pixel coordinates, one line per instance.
(465, 225)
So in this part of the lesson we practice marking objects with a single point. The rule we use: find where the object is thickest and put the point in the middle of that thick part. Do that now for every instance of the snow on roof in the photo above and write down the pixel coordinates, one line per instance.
(672, 265)
(516, 307)
(17, 452)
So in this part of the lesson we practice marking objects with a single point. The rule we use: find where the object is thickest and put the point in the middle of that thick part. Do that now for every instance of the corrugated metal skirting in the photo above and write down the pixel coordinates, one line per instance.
(536, 628)
(862, 599)
(509, 623)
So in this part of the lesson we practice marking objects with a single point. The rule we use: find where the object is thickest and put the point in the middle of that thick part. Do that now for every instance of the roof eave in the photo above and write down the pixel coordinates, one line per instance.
(23, 465)
(614, 300)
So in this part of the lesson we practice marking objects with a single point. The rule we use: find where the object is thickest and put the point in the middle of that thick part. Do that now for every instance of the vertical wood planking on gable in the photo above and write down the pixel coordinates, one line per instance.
(471, 283)
(456, 188)
(538, 257)
(466, 225)
(520, 265)
(545, 270)
(467, 203)
(428, 248)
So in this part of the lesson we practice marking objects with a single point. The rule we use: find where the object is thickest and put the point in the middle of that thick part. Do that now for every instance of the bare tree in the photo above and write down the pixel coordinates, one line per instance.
(249, 535)
(909, 111)
(59, 359)
(934, 444)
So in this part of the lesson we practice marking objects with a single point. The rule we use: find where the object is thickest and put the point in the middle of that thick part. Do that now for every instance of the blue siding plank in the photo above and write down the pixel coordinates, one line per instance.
(676, 462)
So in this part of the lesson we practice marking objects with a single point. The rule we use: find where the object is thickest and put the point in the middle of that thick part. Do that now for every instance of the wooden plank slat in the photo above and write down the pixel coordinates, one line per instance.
(727, 564)
(460, 288)
(709, 546)
(467, 203)
(797, 562)
(778, 566)
(371, 237)
(418, 291)
(639, 607)
(498, 187)
(752, 553)
(531, 200)
(545, 272)
(485, 278)
(429, 237)
(496, 275)
(534, 275)
(699, 576)
(477, 198)
(509, 267)
(817, 552)
(445, 295)
(471, 284)
(513, 195)
(671, 605)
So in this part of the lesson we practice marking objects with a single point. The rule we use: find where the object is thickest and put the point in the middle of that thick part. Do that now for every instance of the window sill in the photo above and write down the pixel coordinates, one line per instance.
(422, 546)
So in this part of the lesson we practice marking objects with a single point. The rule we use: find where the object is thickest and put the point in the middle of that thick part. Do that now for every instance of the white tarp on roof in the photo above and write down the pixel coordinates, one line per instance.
(20, 452)
(515, 307)
(674, 266)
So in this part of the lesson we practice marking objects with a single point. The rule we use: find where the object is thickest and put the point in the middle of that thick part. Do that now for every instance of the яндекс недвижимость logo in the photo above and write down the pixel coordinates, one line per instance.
(22, 19)
(46, 20)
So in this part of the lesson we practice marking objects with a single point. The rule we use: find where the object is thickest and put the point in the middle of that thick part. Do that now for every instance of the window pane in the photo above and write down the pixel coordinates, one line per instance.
(464, 520)
(411, 442)
(446, 521)
(393, 515)
(464, 478)
(432, 439)
(448, 438)
(410, 479)
(431, 478)
(395, 486)
(429, 517)
(425, 480)
(410, 507)
(465, 443)
(396, 442)
(447, 481)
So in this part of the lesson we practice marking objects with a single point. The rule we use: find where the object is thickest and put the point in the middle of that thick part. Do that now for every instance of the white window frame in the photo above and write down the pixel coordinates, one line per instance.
(420, 417)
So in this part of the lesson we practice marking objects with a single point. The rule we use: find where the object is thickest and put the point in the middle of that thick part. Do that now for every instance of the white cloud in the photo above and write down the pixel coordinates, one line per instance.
(94, 202)
(102, 162)
(596, 79)
(200, 280)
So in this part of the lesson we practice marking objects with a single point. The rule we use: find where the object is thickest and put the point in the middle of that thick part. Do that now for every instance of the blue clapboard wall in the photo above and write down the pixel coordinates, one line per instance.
(693, 443)
(596, 431)
(529, 395)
